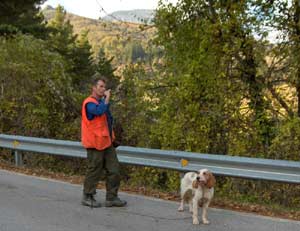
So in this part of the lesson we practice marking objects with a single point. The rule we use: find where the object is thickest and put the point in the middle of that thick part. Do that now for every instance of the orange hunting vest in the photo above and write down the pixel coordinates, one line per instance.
(95, 132)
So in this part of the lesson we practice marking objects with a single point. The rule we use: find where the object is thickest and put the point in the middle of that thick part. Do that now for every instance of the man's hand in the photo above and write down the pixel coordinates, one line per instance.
(107, 96)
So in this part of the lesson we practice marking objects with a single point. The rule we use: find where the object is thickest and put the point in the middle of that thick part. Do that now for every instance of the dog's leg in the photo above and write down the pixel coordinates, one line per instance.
(181, 206)
(195, 211)
(191, 206)
(204, 212)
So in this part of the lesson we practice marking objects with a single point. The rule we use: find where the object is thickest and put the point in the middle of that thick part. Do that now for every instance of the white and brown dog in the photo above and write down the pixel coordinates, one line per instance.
(197, 187)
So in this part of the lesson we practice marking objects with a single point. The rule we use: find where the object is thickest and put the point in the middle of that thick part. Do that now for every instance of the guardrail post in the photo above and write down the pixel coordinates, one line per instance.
(18, 158)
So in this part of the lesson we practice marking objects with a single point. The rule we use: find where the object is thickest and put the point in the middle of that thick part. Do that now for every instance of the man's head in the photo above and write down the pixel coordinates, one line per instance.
(98, 86)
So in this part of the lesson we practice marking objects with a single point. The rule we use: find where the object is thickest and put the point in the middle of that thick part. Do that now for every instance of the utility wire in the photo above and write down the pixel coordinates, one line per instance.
(109, 15)
(127, 24)
(116, 18)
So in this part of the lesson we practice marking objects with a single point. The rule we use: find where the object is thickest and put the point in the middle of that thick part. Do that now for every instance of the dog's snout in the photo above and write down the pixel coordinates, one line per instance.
(198, 178)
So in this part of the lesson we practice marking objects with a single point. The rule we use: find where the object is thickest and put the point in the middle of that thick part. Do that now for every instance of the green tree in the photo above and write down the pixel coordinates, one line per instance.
(286, 145)
(294, 37)
(82, 62)
(105, 67)
(36, 90)
(76, 51)
(22, 16)
(214, 53)
(134, 107)
(194, 90)
(62, 38)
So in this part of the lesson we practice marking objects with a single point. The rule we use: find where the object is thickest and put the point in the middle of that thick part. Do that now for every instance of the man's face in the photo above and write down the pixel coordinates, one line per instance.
(99, 88)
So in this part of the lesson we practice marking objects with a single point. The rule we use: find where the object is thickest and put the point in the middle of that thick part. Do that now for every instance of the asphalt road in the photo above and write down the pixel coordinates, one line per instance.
(30, 203)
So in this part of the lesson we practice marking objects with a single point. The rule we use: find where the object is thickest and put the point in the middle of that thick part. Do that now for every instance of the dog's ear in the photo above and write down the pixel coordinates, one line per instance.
(195, 184)
(211, 180)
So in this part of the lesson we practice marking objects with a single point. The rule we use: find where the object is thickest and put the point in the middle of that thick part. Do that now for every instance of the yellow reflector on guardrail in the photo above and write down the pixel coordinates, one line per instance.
(184, 162)
(16, 143)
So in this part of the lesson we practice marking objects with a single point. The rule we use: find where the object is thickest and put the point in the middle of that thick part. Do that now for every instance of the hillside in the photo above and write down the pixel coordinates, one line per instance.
(133, 16)
(114, 37)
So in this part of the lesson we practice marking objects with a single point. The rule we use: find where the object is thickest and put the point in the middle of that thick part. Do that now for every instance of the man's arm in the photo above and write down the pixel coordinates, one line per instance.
(93, 109)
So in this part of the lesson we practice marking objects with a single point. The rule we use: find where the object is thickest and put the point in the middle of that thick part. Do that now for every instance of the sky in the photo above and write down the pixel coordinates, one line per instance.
(92, 8)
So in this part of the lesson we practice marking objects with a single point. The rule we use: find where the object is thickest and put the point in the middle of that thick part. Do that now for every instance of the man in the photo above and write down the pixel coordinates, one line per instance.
(97, 137)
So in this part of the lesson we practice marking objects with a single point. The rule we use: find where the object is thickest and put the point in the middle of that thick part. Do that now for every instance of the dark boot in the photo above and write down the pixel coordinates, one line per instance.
(116, 202)
(89, 200)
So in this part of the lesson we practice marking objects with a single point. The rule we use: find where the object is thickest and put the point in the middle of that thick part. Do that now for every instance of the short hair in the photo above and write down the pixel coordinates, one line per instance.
(96, 78)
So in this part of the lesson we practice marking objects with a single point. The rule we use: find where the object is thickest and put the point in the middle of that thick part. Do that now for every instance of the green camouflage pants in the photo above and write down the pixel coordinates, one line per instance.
(100, 163)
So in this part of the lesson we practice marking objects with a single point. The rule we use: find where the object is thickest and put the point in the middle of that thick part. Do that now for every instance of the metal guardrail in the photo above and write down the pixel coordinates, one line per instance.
(233, 166)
